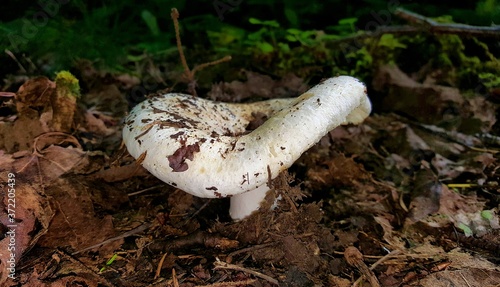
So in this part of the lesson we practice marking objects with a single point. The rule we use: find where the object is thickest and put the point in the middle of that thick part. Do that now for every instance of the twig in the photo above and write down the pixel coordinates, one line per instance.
(10, 54)
(391, 254)
(448, 28)
(126, 234)
(160, 265)
(213, 63)
(175, 19)
(382, 259)
(466, 282)
(144, 190)
(457, 137)
(174, 278)
(209, 240)
(421, 24)
(197, 212)
(489, 139)
(355, 259)
(223, 265)
(189, 74)
(228, 284)
(251, 248)
(90, 273)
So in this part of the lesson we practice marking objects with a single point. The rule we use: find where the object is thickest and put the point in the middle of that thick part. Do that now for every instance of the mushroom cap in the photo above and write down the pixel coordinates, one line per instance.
(204, 148)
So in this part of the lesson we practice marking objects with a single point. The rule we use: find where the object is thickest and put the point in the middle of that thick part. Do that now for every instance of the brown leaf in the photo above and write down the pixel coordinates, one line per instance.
(98, 123)
(120, 173)
(75, 223)
(342, 171)
(34, 96)
(106, 99)
(424, 102)
(483, 111)
(18, 135)
(31, 214)
(62, 271)
(258, 86)
(391, 237)
(426, 196)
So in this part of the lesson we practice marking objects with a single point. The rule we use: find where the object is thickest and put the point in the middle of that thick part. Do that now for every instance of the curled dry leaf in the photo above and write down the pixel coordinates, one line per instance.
(42, 106)
(34, 96)
(33, 115)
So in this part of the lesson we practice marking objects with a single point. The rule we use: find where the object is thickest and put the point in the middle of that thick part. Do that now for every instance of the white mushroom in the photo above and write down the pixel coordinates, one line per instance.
(204, 148)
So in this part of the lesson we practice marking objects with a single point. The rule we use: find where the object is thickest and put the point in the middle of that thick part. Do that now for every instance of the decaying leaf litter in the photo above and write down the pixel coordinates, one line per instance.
(410, 197)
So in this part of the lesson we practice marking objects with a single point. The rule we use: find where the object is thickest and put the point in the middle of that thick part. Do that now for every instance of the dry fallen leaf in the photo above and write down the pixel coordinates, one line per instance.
(26, 216)
(259, 86)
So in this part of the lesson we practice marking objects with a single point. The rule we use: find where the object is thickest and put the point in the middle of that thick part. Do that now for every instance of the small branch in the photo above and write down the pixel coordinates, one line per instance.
(174, 278)
(216, 62)
(188, 75)
(223, 265)
(380, 261)
(248, 282)
(448, 28)
(251, 248)
(175, 19)
(354, 258)
(160, 265)
(10, 54)
(208, 240)
(391, 254)
(145, 190)
(136, 230)
(422, 24)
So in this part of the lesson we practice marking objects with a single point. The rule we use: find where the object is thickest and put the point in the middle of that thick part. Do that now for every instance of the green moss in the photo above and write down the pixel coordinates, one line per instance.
(67, 82)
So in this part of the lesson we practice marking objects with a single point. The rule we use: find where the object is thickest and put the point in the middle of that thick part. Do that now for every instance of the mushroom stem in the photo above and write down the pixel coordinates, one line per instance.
(204, 147)
(243, 204)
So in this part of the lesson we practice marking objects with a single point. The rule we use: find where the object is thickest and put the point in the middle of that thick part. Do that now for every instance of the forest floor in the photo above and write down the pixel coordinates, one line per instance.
(408, 198)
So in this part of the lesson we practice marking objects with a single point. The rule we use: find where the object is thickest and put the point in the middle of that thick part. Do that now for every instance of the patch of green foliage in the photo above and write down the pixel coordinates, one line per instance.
(294, 48)
(479, 65)
(114, 33)
(105, 34)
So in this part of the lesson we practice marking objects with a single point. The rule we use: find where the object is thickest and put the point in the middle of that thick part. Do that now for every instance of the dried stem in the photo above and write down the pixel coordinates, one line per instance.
(248, 282)
(175, 19)
(419, 24)
(188, 75)
(204, 65)
(354, 258)
(223, 265)
(136, 230)
(160, 265)
(448, 28)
